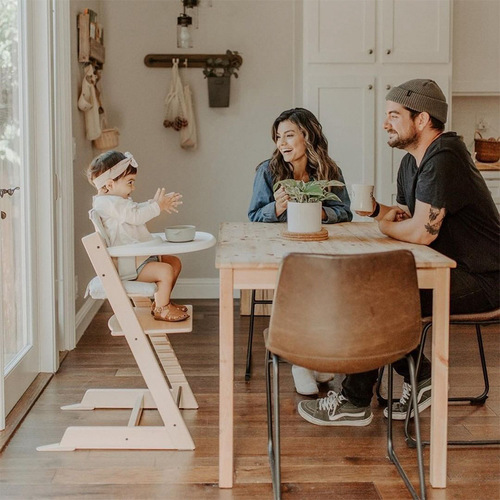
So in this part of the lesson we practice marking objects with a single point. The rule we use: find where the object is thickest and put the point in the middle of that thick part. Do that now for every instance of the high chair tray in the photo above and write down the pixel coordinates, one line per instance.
(152, 326)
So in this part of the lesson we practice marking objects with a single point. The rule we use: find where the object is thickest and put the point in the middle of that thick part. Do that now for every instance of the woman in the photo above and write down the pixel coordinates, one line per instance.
(302, 154)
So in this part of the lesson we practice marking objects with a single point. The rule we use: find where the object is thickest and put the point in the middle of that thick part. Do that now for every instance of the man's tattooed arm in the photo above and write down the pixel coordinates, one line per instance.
(436, 216)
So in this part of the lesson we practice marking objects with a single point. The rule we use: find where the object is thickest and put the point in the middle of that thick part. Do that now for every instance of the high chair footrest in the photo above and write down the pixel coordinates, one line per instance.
(152, 326)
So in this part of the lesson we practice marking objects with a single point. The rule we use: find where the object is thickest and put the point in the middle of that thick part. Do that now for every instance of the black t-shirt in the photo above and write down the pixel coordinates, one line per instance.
(447, 178)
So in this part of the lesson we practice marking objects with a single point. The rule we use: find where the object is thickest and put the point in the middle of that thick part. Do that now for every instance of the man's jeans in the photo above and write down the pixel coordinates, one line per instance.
(466, 296)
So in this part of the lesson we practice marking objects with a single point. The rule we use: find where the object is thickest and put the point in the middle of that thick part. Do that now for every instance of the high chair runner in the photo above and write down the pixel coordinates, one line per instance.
(167, 387)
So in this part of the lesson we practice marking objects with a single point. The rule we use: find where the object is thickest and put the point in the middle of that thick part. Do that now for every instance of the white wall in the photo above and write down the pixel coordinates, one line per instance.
(216, 179)
(470, 113)
(84, 153)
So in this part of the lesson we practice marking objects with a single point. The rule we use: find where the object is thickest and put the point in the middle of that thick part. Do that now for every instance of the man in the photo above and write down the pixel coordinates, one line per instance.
(442, 202)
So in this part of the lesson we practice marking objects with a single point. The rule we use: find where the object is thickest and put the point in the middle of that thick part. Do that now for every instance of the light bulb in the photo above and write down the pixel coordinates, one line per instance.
(184, 38)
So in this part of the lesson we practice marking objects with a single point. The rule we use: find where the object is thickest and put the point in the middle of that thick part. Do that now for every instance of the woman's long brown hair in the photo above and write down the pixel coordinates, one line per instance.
(319, 164)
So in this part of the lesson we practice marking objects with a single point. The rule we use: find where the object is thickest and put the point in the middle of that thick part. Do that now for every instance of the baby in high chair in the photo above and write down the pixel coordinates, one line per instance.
(113, 174)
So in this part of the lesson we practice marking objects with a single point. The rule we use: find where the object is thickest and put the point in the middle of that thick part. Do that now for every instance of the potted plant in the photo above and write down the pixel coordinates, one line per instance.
(218, 72)
(304, 206)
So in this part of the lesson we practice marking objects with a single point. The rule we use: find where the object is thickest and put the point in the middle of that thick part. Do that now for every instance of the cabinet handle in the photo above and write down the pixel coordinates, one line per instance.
(370, 51)
(370, 87)
(3, 214)
(388, 51)
(387, 87)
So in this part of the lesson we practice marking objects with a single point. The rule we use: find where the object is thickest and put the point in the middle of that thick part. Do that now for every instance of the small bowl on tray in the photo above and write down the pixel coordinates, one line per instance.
(180, 234)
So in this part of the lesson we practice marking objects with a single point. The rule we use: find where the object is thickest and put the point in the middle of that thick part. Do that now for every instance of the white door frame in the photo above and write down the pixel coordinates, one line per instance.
(63, 165)
(50, 93)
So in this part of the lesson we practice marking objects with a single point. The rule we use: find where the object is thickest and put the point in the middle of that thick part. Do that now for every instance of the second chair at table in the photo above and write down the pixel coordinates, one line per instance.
(351, 326)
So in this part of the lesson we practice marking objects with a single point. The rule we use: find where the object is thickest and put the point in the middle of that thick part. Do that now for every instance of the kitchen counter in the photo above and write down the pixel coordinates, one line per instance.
(487, 166)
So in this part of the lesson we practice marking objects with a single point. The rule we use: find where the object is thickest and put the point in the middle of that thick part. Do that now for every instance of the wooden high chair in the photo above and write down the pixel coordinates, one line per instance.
(167, 387)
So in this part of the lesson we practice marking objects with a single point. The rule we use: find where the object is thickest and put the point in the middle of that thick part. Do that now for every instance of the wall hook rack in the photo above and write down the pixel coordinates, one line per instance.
(193, 60)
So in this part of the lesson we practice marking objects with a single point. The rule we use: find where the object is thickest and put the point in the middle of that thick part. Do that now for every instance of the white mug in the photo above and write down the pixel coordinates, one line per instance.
(362, 197)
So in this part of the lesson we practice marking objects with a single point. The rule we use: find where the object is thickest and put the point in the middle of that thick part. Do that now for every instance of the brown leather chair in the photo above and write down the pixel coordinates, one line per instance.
(343, 314)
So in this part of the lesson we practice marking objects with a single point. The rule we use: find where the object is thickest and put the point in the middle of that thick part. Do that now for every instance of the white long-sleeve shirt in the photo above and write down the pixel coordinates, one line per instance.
(125, 223)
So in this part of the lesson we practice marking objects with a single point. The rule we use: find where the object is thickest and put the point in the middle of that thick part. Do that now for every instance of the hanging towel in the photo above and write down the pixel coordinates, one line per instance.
(89, 104)
(175, 106)
(188, 134)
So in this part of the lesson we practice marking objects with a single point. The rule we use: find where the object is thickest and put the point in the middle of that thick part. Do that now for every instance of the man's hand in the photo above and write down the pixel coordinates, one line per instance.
(395, 214)
(422, 228)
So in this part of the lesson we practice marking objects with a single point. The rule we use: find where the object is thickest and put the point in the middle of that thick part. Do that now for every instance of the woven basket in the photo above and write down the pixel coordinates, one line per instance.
(487, 150)
(108, 139)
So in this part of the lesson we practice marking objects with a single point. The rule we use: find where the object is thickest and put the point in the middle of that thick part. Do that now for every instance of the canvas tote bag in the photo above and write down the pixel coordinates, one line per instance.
(175, 106)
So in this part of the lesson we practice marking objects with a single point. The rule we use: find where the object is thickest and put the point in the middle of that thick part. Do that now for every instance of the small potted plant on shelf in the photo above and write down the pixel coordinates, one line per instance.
(218, 73)
(304, 206)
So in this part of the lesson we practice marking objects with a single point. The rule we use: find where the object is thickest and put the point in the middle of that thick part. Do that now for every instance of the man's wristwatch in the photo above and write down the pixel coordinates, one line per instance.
(376, 211)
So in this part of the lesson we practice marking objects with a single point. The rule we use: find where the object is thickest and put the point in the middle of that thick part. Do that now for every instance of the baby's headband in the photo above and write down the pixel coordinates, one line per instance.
(115, 171)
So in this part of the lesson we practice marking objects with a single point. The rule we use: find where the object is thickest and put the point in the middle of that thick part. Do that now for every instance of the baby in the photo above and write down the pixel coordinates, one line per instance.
(113, 175)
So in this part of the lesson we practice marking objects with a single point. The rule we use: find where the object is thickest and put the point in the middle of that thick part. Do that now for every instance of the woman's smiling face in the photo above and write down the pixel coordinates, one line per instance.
(291, 142)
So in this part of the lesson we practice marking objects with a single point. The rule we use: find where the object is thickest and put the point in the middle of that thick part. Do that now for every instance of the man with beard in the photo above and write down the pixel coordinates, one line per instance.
(442, 202)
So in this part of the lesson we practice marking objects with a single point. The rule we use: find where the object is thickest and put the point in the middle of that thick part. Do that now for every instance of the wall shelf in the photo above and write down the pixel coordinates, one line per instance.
(193, 60)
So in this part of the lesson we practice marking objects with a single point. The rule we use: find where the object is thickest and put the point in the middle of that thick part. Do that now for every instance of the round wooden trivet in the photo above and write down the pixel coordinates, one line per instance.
(319, 236)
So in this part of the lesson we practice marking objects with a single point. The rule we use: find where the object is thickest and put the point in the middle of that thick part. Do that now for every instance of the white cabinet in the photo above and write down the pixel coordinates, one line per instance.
(346, 31)
(354, 51)
(416, 31)
(476, 47)
(340, 30)
(345, 107)
(492, 178)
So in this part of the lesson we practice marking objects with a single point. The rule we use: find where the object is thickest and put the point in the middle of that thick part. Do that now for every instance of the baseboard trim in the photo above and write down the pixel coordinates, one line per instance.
(22, 407)
(192, 288)
(85, 315)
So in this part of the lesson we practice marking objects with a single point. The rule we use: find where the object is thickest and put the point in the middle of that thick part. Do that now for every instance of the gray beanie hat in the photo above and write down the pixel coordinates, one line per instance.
(421, 95)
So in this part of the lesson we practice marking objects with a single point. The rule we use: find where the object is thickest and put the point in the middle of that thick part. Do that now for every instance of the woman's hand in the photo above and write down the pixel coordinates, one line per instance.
(168, 202)
(281, 200)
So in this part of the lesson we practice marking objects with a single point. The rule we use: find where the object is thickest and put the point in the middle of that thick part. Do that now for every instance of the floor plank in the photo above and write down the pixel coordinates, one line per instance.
(317, 462)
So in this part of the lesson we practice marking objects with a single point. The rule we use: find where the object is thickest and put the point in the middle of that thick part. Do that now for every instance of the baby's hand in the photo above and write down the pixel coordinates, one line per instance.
(169, 202)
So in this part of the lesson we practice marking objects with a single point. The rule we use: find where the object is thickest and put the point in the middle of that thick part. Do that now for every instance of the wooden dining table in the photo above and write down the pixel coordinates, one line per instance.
(248, 257)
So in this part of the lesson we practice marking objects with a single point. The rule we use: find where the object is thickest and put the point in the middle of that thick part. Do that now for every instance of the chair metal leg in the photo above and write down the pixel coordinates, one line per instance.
(254, 302)
(273, 424)
(390, 446)
(476, 400)
(481, 398)
(248, 368)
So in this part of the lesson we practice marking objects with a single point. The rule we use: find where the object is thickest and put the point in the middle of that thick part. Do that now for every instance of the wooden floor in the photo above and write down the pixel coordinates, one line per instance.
(318, 462)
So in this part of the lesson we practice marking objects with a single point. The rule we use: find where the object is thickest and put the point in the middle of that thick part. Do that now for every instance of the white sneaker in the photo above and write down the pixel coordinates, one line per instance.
(304, 380)
(322, 378)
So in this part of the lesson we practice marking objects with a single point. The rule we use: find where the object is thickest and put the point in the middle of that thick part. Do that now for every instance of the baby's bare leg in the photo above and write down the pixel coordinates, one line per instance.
(163, 274)
(176, 264)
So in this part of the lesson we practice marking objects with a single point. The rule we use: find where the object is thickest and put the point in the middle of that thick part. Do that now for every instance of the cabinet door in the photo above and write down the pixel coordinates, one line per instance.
(416, 31)
(476, 46)
(339, 31)
(345, 107)
(492, 178)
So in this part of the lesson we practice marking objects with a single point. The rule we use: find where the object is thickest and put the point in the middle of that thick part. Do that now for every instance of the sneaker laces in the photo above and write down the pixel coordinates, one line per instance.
(405, 397)
(331, 402)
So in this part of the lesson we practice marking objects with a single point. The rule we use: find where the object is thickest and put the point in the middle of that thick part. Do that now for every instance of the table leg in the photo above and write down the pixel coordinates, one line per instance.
(226, 375)
(439, 408)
